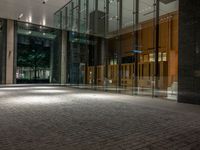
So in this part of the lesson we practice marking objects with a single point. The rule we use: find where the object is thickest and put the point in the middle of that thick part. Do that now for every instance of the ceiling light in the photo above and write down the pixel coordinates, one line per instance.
(20, 16)
(44, 22)
(30, 19)
(111, 1)
(44, 1)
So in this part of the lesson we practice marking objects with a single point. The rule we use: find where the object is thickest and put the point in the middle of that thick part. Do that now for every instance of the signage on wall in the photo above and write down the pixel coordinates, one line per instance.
(136, 51)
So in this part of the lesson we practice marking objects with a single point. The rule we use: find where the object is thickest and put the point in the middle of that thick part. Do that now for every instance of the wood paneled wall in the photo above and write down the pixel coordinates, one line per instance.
(168, 44)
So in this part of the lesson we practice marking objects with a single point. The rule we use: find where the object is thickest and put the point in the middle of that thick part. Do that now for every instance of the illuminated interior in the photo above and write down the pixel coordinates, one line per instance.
(122, 46)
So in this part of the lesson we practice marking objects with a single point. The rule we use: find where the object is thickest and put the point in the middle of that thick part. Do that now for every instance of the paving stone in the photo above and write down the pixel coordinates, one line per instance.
(63, 118)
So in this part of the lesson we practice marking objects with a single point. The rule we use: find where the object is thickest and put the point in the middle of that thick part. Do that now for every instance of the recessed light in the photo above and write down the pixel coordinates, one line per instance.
(44, 1)
(30, 19)
(44, 22)
(20, 16)
(29, 32)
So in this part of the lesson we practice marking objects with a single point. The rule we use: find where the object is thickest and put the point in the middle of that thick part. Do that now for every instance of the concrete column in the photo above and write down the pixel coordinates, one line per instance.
(2, 51)
(189, 52)
(64, 58)
(10, 52)
(51, 63)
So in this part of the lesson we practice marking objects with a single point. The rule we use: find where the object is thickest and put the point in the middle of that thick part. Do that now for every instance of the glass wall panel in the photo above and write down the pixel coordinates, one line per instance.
(74, 59)
(146, 30)
(124, 46)
(38, 54)
(168, 49)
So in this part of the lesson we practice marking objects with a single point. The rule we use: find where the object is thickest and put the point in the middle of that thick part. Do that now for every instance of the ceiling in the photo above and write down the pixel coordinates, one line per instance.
(33, 11)
(146, 12)
(36, 12)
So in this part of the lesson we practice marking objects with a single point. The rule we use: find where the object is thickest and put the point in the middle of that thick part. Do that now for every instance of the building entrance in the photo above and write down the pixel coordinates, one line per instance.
(37, 54)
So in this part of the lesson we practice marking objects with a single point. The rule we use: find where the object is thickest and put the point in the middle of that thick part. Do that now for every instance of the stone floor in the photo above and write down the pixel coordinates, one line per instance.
(60, 118)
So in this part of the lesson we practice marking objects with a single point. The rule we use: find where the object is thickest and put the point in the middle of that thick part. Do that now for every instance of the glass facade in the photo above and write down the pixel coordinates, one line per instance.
(38, 54)
(3, 28)
(123, 46)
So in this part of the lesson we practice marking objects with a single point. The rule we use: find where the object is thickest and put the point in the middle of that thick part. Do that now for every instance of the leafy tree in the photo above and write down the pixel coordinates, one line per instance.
(34, 55)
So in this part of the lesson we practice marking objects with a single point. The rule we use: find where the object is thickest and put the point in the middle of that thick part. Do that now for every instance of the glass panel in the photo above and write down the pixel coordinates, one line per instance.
(38, 54)
(123, 46)
(168, 47)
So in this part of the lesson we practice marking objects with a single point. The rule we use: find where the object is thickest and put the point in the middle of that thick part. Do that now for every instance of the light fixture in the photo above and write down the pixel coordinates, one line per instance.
(111, 1)
(44, 22)
(114, 17)
(30, 19)
(44, 1)
(20, 16)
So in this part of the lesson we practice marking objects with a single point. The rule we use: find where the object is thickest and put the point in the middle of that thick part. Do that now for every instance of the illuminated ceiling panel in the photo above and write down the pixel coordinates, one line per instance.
(33, 10)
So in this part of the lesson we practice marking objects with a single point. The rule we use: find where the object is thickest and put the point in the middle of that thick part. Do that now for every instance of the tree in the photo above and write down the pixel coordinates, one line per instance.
(34, 55)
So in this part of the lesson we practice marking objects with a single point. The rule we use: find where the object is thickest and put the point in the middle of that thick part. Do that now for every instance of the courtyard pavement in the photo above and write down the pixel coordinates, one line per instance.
(46, 117)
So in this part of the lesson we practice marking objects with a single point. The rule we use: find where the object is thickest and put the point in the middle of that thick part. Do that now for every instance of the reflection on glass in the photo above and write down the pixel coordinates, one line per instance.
(37, 54)
(125, 46)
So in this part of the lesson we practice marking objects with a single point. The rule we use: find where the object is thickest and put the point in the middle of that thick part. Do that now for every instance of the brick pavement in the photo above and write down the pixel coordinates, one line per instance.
(60, 118)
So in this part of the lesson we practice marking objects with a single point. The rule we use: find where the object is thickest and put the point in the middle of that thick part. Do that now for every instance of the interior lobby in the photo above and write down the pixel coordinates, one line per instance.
(99, 74)
(130, 47)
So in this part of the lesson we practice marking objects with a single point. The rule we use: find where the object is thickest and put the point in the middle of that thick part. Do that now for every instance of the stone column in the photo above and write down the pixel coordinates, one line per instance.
(189, 52)
(10, 52)
(51, 63)
(64, 58)
(2, 51)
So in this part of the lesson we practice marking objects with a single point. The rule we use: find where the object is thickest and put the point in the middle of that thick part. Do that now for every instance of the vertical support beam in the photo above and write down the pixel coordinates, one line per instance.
(10, 52)
(157, 40)
(136, 42)
(70, 57)
(66, 18)
(189, 52)
(51, 62)
(15, 53)
(72, 15)
(61, 20)
(64, 57)
(120, 18)
(105, 38)
(107, 17)
(79, 35)
(87, 38)
(96, 41)
(87, 15)
(3, 51)
(96, 17)
(79, 16)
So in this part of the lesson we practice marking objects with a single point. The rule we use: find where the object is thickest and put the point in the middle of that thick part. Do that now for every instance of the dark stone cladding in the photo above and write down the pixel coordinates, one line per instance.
(189, 52)
(2, 50)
